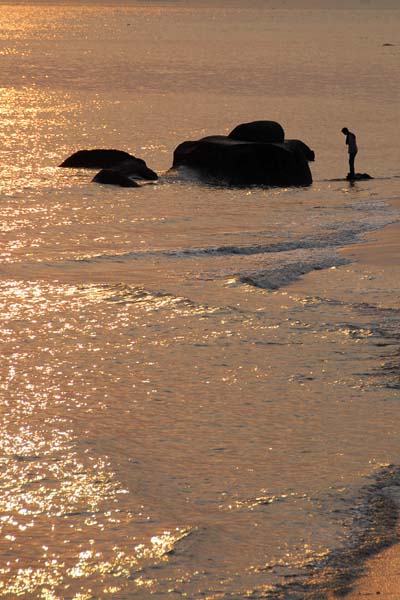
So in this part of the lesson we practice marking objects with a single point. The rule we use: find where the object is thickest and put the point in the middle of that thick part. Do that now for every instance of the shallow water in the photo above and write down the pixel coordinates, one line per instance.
(178, 417)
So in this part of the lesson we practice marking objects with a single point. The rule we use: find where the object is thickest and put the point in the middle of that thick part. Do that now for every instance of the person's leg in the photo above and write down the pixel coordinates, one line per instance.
(352, 158)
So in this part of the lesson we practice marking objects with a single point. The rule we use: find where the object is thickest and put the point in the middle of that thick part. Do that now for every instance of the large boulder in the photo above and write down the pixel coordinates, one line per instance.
(259, 131)
(118, 167)
(235, 162)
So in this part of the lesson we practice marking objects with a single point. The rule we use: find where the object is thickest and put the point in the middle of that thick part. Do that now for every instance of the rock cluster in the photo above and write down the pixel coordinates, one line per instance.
(255, 153)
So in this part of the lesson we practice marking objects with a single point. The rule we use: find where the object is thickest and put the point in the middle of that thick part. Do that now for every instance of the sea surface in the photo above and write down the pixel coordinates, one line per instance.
(178, 419)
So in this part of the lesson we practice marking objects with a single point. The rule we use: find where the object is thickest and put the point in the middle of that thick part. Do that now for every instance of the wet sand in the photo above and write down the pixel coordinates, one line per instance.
(382, 578)
(382, 571)
(375, 274)
(381, 248)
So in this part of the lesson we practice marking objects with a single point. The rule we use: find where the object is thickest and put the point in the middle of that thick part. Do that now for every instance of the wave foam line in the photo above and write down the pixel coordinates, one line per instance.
(323, 240)
(275, 278)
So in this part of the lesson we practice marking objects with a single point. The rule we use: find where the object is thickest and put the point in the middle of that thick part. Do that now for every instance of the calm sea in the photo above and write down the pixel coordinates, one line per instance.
(178, 420)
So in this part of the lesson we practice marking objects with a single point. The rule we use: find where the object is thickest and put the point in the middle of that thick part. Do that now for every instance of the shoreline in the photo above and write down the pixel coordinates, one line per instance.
(381, 571)
(369, 567)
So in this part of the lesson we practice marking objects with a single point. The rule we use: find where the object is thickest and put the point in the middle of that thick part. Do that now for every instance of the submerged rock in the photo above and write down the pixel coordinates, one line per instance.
(358, 176)
(136, 168)
(111, 177)
(233, 161)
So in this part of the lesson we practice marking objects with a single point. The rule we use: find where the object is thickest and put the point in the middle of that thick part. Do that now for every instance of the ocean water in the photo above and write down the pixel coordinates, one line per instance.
(194, 389)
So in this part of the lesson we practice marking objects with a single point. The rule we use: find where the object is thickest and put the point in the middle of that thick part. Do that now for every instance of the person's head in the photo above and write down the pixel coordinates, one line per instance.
(345, 130)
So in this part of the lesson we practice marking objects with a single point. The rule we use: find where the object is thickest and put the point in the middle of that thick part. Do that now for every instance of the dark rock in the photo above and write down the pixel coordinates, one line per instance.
(118, 166)
(135, 167)
(358, 176)
(113, 177)
(259, 131)
(306, 150)
(235, 162)
(96, 159)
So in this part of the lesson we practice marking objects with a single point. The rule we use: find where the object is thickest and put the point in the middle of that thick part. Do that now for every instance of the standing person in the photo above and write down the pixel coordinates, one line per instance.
(352, 149)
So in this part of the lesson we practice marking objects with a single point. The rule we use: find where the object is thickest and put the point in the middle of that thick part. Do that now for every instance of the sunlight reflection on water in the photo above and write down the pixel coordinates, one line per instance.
(168, 427)
(85, 526)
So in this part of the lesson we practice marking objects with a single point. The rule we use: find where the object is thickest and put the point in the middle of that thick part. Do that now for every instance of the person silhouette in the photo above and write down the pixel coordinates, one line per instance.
(352, 149)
